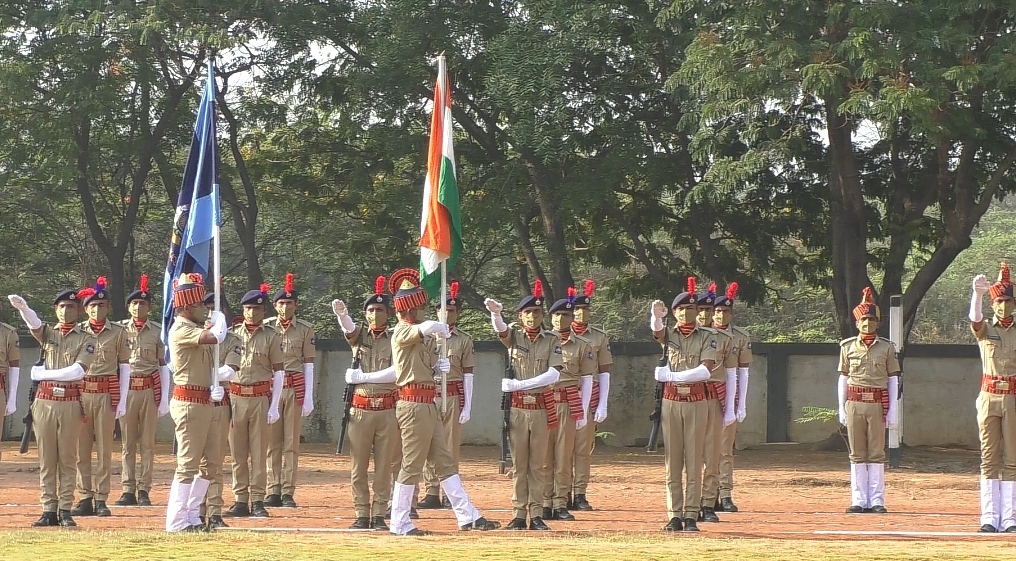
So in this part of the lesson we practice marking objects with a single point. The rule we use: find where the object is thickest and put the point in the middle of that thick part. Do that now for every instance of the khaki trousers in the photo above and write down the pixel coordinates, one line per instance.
(453, 439)
(219, 431)
(138, 432)
(996, 422)
(865, 432)
(371, 433)
(727, 460)
(284, 446)
(197, 451)
(683, 427)
(423, 437)
(98, 428)
(557, 466)
(528, 438)
(3, 409)
(585, 442)
(711, 452)
(248, 442)
(57, 425)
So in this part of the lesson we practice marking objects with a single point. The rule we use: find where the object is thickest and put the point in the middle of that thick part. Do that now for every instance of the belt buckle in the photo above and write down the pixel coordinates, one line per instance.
(529, 400)
(377, 401)
(246, 390)
(1002, 385)
(868, 397)
(683, 390)
(59, 392)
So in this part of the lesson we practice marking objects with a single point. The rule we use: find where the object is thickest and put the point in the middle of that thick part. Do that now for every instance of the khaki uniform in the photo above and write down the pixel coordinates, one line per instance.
(139, 423)
(726, 358)
(461, 355)
(191, 409)
(528, 432)
(110, 351)
(10, 352)
(284, 435)
(742, 350)
(585, 439)
(685, 412)
(230, 351)
(996, 410)
(250, 397)
(867, 368)
(57, 415)
(372, 429)
(577, 361)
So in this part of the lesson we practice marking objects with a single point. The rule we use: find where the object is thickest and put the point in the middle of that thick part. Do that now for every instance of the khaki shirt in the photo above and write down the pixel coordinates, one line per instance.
(192, 361)
(61, 351)
(413, 354)
(460, 353)
(742, 343)
(260, 350)
(685, 353)
(578, 358)
(375, 354)
(297, 343)
(601, 346)
(532, 358)
(110, 349)
(10, 347)
(866, 366)
(725, 355)
(231, 351)
(998, 348)
(145, 347)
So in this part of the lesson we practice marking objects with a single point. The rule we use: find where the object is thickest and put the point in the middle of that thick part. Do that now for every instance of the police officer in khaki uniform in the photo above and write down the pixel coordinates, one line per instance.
(230, 351)
(254, 402)
(103, 399)
(536, 357)
(147, 397)
(723, 315)
(460, 396)
(572, 395)
(372, 430)
(10, 370)
(297, 396)
(996, 404)
(190, 353)
(415, 355)
(585, 439)
(691, 353)
(67, 352)
(720, 391)
(867, 388)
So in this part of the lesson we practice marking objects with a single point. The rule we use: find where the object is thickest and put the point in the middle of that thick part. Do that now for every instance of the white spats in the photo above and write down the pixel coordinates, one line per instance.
(402, 500)
(859, 485)
(991, 492)
(177, 519)
(465, 512)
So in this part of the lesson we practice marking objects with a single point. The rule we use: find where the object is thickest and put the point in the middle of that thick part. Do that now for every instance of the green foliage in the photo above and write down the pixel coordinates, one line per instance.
(820, 414)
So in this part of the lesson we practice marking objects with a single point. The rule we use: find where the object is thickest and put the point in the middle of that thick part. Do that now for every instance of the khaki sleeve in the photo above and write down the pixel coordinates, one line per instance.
(468, 354)
(275, 354)
(86, 354)
(124, 354)
(980, 333)
(160, 350)
(710, 349)
(232, 350)
(744, 353)
(186, 336)
(407, 335)
(42, 335)
(730, 357)
(308, 345)
(892, 365)
(13, 347)
(588, 366)
(603, 354)
(844, 366)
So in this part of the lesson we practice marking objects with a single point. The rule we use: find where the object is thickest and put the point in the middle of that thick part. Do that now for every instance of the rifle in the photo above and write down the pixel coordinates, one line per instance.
(28, 419)
(506, 407)
(347, 403)
(657, 415)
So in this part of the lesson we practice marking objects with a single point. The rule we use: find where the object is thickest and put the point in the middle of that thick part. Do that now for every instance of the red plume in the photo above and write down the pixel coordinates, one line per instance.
(379, 285)
(1003, 275)
(454, 290)
(289, 282)
(867, 297)
(590, 286)
(265, 288)
(731, 290)
(712, 288)
(571, 293)
(100, 284)
(85, 293)
(538, 289)
(691, 285)
(143, 283)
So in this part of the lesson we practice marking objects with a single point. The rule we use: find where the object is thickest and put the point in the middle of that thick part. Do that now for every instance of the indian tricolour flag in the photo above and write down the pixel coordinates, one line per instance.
(441, 226)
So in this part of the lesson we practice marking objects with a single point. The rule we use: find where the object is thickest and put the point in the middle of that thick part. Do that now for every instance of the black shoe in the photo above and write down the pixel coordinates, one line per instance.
(361, 523)
(879, 509)
(378, 523)
(143, 499)
(987, 529)
(1010, 530)
(273, 501)
(516, 524)
(257, 510)
(690, 526)
(446, 502)
(482, 524)
(196, 528)
(429, 502)
(674, 525)
(47, 519)
(202, 519)
(854, 509)
(538, 524)
(127, 499)
(101, 509)
(727, 505)
(238, 510)
(288, 501)
(412, 514)
(216, 521)
(65, 519)
(548, 514)
(580, 503)
(416, 532)
(563, 514)
(707, 514)
(83, 508)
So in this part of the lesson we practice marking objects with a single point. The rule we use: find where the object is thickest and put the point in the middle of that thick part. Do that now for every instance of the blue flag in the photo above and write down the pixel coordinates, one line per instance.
(198, 212)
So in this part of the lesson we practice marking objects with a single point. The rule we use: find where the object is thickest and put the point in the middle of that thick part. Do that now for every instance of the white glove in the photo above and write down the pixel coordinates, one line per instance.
(353, 374)
(308, 383)
(729, 415)
(164, 398)
(443, 366)
(431, 327)
(27, 314)
(742, 393)
(698, 374)
(218, 393)
(13, 377)
(601, 407)
(125, 384)
(38, 372)
(277, 379)
(510, 385)
(661, 373)
(164, 408)
(385, 376)
(218, 328)
(551, 376)
(72, 373)
(580, 423)
(980, 286)
(585, 397)
(493, 306)
(121, 408)
(467, 398)
(342, 314)
(841, 394)
(226, 373)
(893, 414)
(657, 311)
(273, 414)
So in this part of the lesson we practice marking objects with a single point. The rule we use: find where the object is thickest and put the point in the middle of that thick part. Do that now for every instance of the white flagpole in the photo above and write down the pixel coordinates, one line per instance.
(216, 254)
(443, 316)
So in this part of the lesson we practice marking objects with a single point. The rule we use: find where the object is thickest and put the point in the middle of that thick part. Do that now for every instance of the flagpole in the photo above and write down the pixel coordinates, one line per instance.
(444, 342)
(216, 255)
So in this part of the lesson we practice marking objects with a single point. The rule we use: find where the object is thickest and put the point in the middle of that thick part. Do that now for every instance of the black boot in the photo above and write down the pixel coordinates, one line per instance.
(127, 499)
(563, 514)
(257, 510)
(83, 508)
(65, 519)
(48, 519)
(238, 510)
(690, 525)
(361, 523)
(143, 499)
(538, 524)
(429, 502)
(378, 523)
(446, 502)
(707, 514)
(987, 529)
(273, 501)
(288, 501)
(878, 509)
(674, 525)
(482, 524)
(412, 513)
(101, 509)
(727, 505)
(216, 521)
(580, 503)
(516, 524)
(548, 513)
(854, 509)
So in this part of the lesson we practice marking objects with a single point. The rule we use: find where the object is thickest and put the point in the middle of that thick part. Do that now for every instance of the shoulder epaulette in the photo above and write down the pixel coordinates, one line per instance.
(304, 322)
(847, 341)
(8, 326)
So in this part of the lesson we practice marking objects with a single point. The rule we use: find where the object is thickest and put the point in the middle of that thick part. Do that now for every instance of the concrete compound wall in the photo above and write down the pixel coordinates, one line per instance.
(941, 385)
